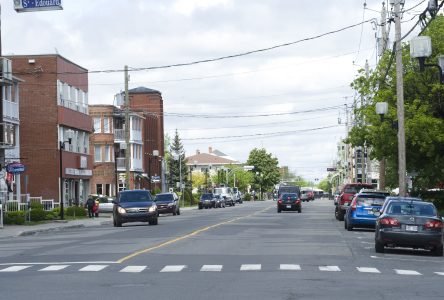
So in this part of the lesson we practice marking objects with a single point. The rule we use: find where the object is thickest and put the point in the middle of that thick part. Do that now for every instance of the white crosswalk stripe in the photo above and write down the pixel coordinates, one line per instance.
(251, 267)
(287, 267)
(329, 268)
(133, 269)
(407, 272)
(439, 273)
(14, 268)
(173, 268)
(54, 268)
(93, 268)
(211, 268)
(368, 270)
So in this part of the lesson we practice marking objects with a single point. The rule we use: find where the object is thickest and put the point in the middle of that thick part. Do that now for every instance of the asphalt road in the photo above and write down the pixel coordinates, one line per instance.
(242, 252)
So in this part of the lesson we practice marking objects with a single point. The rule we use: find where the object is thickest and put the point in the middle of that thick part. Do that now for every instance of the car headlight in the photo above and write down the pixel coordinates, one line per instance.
(121, 210)
(170, 204)
(152, 208)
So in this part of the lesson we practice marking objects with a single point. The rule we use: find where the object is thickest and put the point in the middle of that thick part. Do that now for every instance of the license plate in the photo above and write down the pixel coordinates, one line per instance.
(288, 206)
(411, 228)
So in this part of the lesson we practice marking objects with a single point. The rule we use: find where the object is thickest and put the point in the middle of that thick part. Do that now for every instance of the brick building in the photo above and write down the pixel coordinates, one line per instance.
(55, 127)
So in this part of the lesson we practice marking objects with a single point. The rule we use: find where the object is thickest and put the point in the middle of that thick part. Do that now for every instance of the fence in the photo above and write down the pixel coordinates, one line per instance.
(22, 205)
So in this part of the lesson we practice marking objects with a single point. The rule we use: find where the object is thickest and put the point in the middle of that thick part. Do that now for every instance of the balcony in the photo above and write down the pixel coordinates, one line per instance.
(8, 140)
(120, 163)
(10, 110)
(135, 135)
(5, 71)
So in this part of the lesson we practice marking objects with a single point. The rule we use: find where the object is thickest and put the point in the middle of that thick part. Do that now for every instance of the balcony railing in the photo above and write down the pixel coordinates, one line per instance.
(135, 135)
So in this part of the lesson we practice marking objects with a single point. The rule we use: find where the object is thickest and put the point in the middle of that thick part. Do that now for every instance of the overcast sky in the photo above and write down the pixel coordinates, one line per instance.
(309, 79)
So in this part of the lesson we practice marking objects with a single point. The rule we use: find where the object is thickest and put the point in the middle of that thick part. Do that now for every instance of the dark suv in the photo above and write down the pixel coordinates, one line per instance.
(168, 203)
(135, 206)
(346, 196)
(207, 201)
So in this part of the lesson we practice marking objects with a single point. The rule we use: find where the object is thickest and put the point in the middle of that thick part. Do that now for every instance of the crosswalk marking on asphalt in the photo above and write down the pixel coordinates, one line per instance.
(173, 268)
(329, 268)
(289, 267)
(407, 272)
(93, 268)
(251, 267)
(211, 268)
(133, 269)
(439, 273)
(14, 268)
(54, 268)
(367, 270)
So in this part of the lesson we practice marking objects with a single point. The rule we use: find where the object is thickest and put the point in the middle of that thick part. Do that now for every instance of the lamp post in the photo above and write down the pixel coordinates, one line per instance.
(421, 48)
(69, 134)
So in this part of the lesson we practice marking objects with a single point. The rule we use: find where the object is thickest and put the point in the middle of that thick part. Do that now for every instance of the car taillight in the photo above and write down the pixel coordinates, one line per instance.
(433, 224)
(298, 201)
(390, 221)
(353, 207)
(279, 201)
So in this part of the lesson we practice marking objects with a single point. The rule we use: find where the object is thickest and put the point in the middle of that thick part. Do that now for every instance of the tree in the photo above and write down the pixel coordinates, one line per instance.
(424, 114)
(266, 171)
(177, 166)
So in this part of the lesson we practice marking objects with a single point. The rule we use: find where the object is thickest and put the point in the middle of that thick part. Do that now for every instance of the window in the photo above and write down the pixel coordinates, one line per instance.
(107, 153)
(86, 143)
(97, 153)
(106, 125)
(97, 125)
(99, 188)
(108, 189)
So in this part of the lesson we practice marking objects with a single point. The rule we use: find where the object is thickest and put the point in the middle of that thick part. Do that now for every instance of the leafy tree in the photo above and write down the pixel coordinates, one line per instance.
(424, 114)
(177, 166)
(266, 171)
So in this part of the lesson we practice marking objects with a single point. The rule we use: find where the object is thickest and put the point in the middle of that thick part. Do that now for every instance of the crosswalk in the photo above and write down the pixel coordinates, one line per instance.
(203, 268)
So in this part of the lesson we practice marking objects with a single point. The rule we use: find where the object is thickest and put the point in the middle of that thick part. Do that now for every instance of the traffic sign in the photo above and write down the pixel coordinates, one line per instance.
(37, 5)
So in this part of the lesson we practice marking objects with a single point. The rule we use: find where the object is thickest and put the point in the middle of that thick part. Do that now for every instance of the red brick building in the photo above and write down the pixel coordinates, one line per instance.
(54, 126)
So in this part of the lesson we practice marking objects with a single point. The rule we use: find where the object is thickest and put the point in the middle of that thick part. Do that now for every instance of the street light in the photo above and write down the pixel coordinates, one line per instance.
(69, 135)
(421, 48)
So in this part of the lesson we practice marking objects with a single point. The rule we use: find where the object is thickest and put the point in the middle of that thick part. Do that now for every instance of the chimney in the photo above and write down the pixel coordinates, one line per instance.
(210, 150)
(197, 151)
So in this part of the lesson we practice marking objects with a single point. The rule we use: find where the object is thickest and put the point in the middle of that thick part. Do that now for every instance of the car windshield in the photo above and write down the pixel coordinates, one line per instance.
(135, 196)
(206, 197)
(369, 200)
(411, 208)
(164, 197)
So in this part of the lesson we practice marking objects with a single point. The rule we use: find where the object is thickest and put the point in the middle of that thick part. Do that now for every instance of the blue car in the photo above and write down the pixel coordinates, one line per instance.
(134, 206)
(363, 211)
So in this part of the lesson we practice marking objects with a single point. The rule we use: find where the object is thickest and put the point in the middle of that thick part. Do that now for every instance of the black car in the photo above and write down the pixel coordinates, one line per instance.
(135, 206)
(220, 201)
(289, 201)
(167, 203)
(411, 224)
(206, 201)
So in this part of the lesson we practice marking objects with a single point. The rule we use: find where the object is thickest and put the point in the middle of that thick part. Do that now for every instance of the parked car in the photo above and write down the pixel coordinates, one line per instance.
(220, 201)
(206, 201)
(347, 193)
(412, 224)
(168, 203)
(289, 201)
(105, 202)
(363, 211)
(135, 206)
(391, 198)
(226, 194)
(236, 195)
(306, 195)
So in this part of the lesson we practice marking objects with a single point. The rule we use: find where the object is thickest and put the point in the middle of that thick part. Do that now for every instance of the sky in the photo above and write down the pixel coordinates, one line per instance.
(289, 100)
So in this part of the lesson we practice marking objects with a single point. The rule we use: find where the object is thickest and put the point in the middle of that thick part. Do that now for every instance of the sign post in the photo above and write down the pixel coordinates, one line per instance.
(37, 5)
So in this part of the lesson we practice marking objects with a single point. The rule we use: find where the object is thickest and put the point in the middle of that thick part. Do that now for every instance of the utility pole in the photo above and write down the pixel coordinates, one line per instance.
(400, 101)
(127, 133)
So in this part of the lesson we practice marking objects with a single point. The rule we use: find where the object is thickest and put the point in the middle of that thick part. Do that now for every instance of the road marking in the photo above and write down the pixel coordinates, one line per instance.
(14, 268)
(173, 268)
(286, 267)
(54, 268)
(251, 267)
(440, 273)
(133, 269)
(362, 242)
(211, 268)
(404, 259)
(186, 236)
(407, 272)
(61, 263)
(329, 268)
(93, 268)
(367, 270)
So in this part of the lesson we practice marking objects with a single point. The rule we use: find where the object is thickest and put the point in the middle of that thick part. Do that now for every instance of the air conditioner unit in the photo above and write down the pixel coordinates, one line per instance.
(6, 71)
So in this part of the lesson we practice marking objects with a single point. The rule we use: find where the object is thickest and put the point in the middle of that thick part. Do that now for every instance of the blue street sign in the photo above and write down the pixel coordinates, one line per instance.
(37, 5)
(15, 168)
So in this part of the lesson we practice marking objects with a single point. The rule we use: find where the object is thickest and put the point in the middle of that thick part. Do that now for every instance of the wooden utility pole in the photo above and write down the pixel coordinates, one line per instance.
(127, 133)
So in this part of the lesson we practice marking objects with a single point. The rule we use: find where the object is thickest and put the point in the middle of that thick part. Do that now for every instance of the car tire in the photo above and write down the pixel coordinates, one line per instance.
(118, 223)
(438, 251)
(178, 212)
(379, 247)
(200, 207)
(299, 210)
(340, 215)
(174, 212)
(153, 221)
(278, 210)
(349, 226)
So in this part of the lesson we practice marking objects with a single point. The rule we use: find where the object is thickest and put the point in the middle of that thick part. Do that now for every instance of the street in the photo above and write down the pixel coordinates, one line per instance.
(246, 251)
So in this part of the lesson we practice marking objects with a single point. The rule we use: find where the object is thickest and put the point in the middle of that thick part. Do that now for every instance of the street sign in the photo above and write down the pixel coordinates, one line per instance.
(248, 168)
(37, 5)
(155, 179)
(15, 168)
(331, 169)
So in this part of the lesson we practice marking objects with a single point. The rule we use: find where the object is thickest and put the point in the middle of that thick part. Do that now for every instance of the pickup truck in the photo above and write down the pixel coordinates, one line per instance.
(346, 196)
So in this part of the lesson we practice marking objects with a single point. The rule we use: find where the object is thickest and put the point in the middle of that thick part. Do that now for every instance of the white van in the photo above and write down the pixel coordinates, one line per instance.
(226, 193)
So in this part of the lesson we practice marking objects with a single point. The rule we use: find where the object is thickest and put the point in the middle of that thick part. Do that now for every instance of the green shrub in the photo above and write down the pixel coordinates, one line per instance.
(247, 197)
(37, 214)
(15, 217)
(78, 211)
(36, 205)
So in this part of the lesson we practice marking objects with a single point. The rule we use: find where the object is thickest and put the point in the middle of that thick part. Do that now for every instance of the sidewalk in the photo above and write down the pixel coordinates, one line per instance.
(9, 231)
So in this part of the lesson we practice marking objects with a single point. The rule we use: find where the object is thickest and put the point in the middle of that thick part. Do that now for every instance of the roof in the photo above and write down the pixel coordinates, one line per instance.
(143, 90)
(206, 159)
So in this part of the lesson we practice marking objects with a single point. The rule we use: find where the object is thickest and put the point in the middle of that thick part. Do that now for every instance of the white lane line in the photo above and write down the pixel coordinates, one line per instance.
(329, 268)
(407, 272)
(439, 273)
(173, 268)
(133, 269)
(93, 268)
(211, 268)
(54, 268)
(368, 270)
(14, 268)
(286, 267)
(251, 267)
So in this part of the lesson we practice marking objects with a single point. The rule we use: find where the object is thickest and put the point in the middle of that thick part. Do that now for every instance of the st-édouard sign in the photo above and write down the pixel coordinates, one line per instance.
(15, 168)
(37, 5)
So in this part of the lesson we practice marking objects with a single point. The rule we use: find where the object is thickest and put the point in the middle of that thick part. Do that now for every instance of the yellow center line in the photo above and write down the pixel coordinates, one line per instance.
(132, 255)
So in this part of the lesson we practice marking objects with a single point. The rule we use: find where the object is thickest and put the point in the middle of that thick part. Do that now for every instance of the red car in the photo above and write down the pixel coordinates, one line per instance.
(346, 196)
